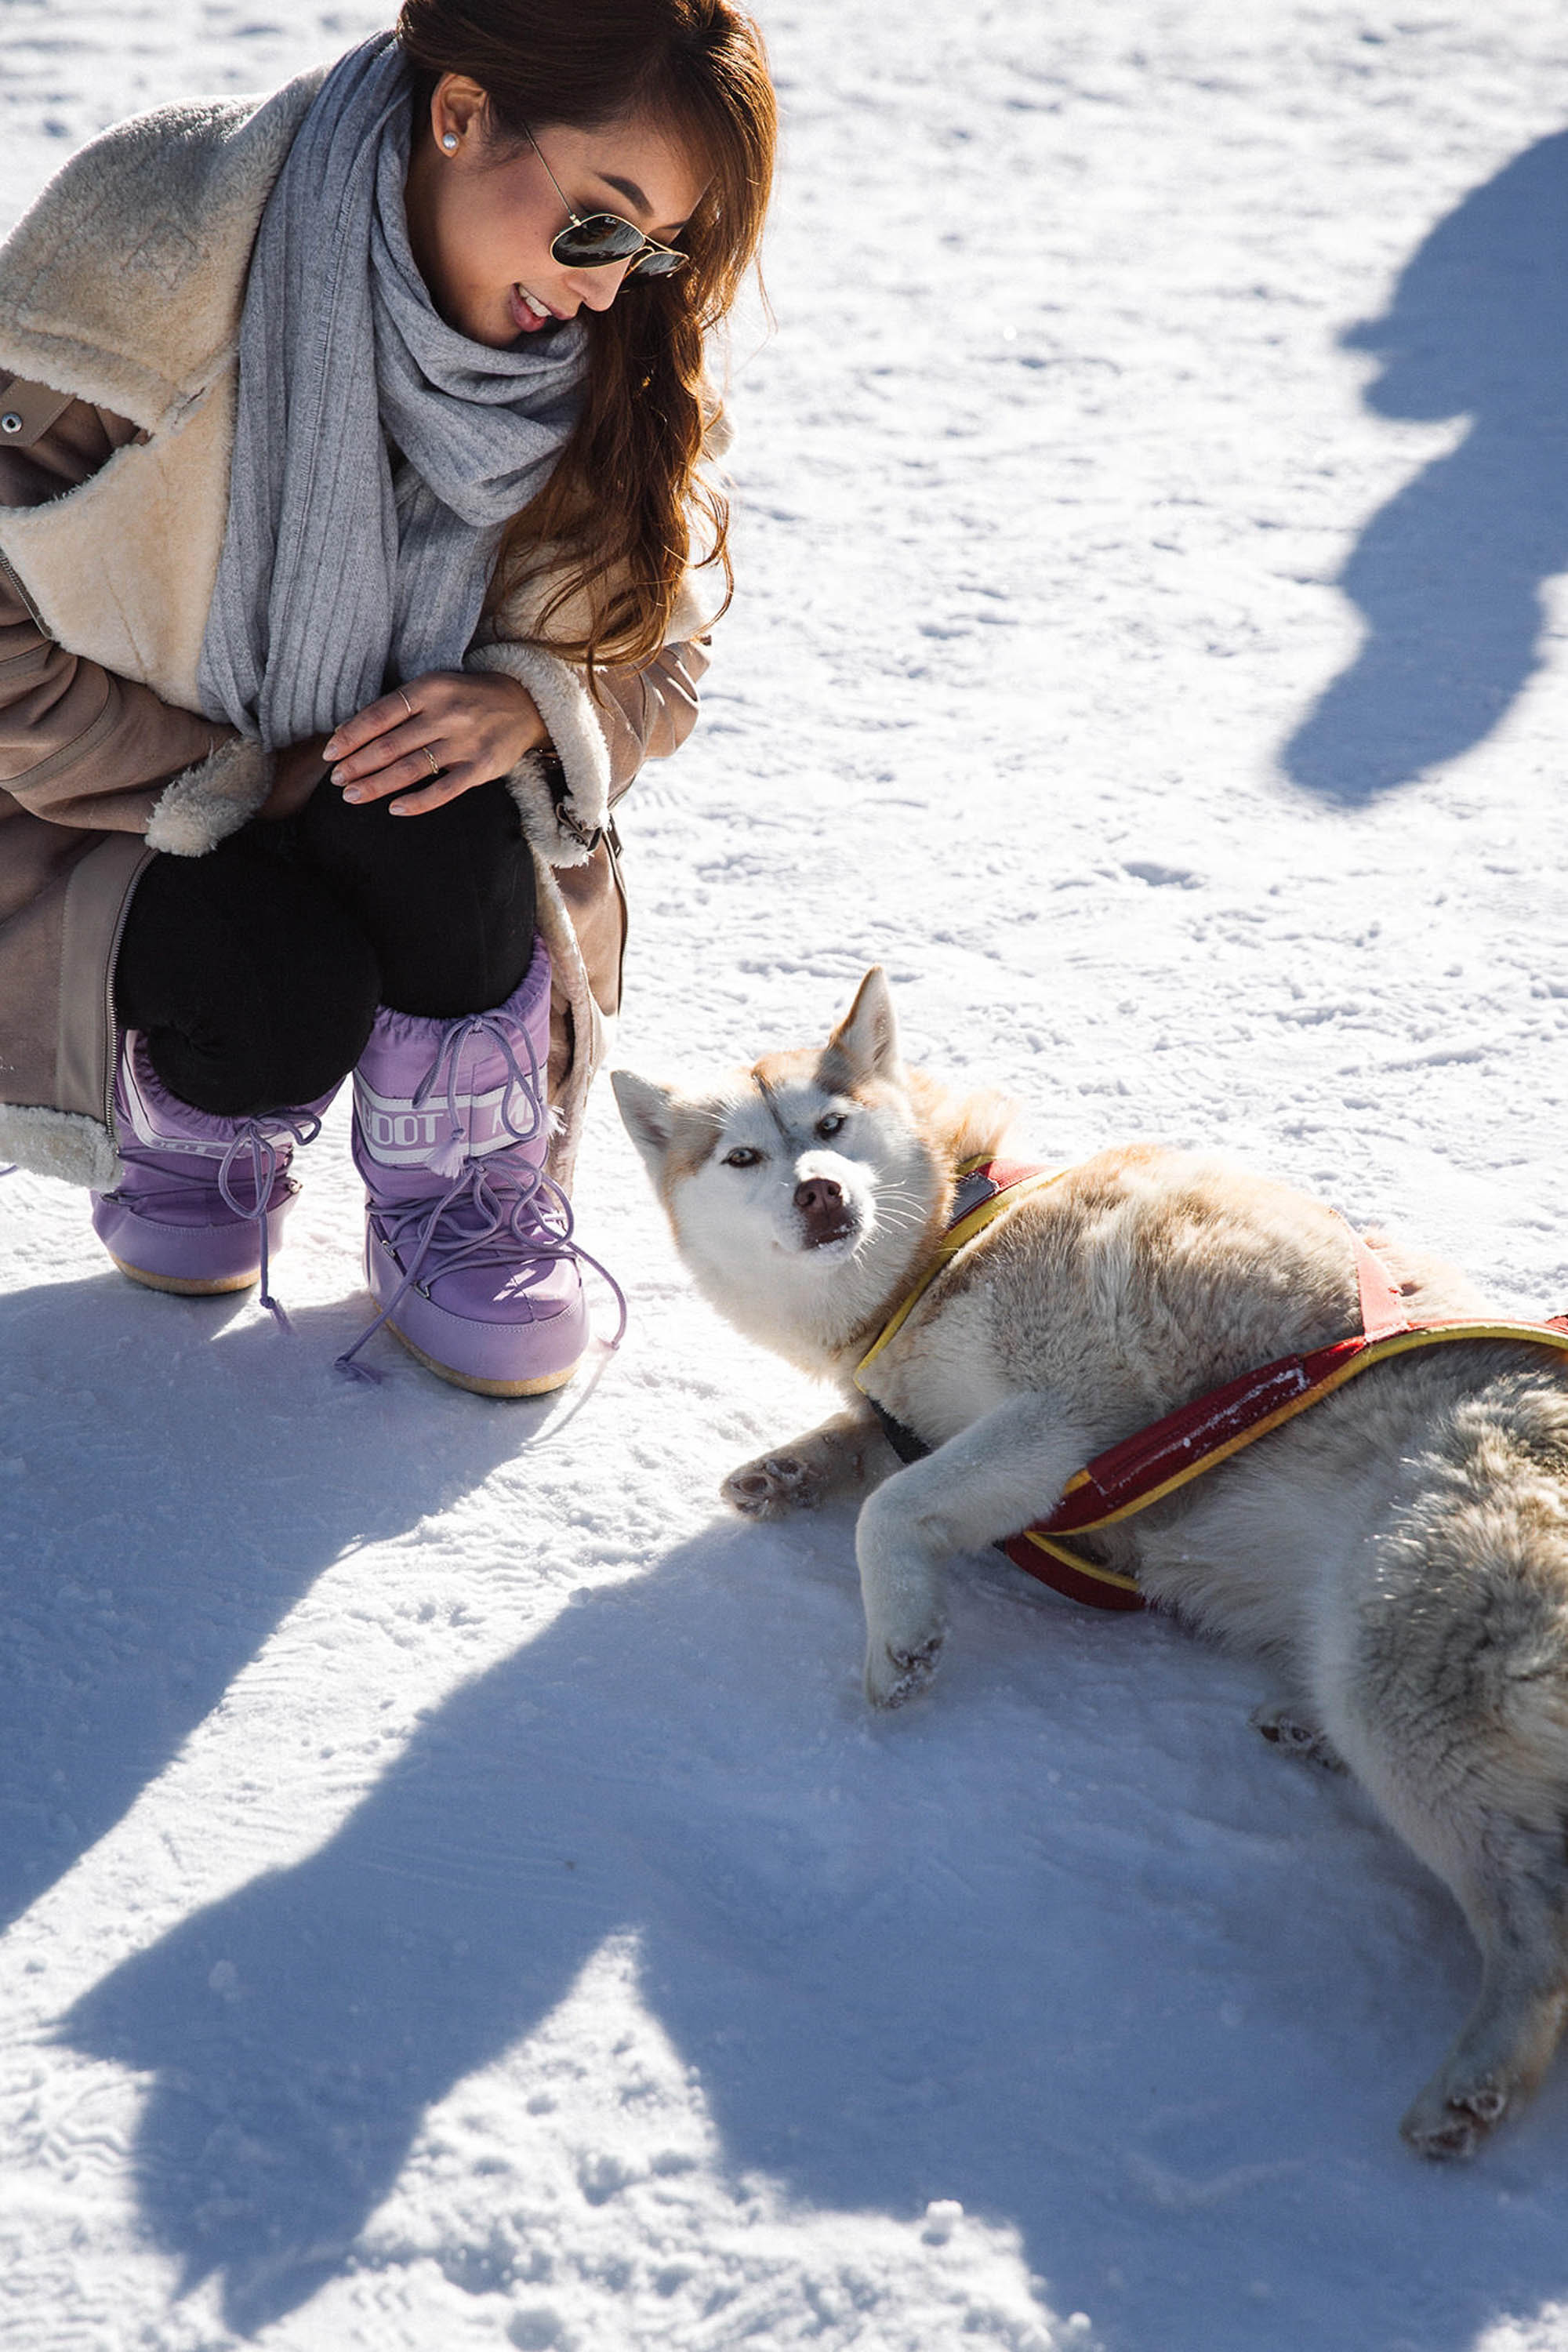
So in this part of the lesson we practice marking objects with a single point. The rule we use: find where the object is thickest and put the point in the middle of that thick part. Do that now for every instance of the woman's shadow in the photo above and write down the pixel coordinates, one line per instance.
(175, 1474)
(1448, 575)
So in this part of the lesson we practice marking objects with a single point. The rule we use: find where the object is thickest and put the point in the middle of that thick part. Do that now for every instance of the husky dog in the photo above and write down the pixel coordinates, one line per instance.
(1398, 1553)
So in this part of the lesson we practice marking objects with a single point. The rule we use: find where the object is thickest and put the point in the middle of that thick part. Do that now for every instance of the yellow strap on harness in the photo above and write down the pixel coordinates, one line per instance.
(955, 1241)
(1194, 1438)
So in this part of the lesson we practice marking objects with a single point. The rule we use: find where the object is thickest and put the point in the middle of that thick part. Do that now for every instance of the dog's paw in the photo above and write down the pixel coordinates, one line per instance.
(773, 1484)
(1287, 1728)
(893, 1677)
(1449, 2122)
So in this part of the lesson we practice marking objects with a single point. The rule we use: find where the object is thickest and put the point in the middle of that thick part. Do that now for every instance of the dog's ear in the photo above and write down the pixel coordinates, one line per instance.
(866, 1043)
(649, 1112)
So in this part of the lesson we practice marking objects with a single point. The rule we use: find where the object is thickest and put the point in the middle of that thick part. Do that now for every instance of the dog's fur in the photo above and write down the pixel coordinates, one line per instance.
(1399, 1553)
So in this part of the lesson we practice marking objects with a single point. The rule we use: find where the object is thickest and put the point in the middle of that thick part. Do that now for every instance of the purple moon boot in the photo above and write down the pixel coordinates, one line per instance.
(468, 1246)
(202, 1200)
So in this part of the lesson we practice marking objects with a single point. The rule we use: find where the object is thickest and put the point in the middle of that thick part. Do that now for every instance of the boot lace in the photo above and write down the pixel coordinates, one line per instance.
(481, 1218)
(258, 1141)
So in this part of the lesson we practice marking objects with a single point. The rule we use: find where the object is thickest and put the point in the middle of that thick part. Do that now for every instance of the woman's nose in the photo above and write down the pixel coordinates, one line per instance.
(599, 287)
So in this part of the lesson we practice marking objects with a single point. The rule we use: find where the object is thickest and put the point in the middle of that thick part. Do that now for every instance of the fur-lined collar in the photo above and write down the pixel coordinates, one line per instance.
(125, 281)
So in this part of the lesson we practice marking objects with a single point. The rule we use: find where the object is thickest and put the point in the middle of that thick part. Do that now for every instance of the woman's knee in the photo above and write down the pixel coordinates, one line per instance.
(447, 898)
(254, 984)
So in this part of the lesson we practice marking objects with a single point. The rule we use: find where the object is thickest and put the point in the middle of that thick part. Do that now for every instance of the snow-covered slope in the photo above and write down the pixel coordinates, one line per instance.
(455, 1894)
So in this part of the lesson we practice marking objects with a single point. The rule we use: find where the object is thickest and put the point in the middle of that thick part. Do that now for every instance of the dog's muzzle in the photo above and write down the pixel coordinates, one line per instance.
(825, 1214)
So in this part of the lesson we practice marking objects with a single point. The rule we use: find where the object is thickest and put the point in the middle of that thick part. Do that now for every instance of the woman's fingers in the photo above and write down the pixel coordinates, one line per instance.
(433, 787)
(393, 770)
(392, 748)
(391, 711)
(438, 792)
(439, 736)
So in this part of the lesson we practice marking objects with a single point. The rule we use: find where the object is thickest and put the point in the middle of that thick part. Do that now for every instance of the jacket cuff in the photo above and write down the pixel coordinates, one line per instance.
(64, 1144)
(565, 830)
(202, 805)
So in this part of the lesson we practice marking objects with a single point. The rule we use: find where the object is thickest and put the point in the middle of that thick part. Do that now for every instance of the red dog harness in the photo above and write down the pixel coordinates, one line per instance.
(1181, 1446)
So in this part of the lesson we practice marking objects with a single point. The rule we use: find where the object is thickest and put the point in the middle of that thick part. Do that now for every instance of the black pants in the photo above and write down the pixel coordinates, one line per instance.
(255, 971)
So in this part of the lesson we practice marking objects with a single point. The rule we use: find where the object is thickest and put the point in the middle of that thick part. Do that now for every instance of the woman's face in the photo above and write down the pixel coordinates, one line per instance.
(481, 216)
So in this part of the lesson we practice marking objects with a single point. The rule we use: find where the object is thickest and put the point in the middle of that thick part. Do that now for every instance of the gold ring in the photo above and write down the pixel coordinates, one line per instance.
(406, 704)
(434, 762)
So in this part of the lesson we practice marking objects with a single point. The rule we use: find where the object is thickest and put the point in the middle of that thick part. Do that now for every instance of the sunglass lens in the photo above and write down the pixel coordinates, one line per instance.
(590, 243)
(659, 263)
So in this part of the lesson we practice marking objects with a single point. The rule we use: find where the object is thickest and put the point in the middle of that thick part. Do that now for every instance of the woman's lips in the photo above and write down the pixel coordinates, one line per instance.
(528, 318)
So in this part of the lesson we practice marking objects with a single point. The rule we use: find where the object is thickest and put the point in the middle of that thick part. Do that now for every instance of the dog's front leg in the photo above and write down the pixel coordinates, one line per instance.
(996, 1477)
(847, 1451)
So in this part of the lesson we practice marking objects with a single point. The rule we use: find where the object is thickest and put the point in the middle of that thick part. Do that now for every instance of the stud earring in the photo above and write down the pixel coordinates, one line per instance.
(449, 142)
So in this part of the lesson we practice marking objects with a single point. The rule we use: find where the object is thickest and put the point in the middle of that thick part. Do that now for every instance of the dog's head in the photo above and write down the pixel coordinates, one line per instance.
(800, 1190)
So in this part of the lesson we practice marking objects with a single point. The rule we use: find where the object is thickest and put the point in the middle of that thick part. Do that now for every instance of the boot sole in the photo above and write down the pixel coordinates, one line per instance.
(184, 1288)
(478, 1387)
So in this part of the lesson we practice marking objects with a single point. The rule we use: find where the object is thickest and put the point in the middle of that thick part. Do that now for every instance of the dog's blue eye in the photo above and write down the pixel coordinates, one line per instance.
(742, 1156)
(832, 1123)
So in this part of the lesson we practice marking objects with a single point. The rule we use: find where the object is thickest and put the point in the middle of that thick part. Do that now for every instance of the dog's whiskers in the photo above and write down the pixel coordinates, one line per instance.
(895, 1212)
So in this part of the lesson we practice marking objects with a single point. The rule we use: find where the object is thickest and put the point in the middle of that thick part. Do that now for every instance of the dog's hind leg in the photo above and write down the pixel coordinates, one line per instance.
(999, 1475)
(1519, 1911)
(1445, 1685)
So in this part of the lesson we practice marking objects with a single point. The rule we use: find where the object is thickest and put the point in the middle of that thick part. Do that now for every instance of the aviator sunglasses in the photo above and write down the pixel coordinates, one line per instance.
(591, 241)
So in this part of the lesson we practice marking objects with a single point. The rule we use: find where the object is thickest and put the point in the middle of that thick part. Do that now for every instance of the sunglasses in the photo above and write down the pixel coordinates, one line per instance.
(594, 240)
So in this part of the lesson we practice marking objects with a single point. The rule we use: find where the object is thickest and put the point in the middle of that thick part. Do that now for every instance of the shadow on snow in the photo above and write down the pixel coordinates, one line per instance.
(1447, 576)
(180, 1475)
(1067, 1943)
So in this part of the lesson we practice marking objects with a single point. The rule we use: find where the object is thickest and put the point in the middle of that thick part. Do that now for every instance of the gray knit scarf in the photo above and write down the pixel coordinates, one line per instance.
(337, 578)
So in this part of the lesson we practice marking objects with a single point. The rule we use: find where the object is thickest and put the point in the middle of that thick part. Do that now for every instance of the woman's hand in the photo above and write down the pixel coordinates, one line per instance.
(471, 724)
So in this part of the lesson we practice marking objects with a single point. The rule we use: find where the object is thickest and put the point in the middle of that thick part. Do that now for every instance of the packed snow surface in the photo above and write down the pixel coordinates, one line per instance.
(456, 1893)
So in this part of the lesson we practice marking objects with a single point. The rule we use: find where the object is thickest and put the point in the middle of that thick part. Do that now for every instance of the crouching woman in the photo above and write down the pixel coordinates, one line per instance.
(352, 475)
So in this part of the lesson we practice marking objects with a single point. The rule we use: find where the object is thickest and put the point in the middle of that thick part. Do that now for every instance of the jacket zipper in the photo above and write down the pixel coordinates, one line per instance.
(20, 586)
(612, 848)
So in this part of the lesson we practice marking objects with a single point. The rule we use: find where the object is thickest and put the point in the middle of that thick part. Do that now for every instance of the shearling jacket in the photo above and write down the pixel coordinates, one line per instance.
(120, 294)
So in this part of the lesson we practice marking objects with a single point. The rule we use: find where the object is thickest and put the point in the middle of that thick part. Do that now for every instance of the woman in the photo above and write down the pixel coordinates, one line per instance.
(349, 479)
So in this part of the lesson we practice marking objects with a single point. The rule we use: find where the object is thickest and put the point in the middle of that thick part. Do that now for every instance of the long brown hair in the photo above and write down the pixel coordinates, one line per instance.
(615, 523)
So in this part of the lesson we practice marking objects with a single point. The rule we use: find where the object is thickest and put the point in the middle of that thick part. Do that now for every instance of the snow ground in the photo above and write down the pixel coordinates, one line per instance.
(455, 1893)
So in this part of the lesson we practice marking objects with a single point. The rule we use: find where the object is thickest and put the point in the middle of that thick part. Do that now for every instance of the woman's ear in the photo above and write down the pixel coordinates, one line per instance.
(457, 108)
